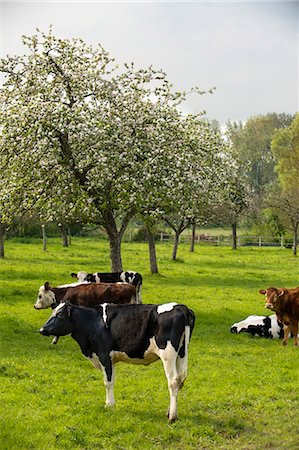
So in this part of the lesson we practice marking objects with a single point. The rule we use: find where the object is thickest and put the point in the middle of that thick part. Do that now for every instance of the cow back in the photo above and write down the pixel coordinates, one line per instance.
(92, 295)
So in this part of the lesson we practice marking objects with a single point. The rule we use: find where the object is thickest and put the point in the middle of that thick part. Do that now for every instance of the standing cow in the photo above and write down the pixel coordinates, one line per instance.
(127, 276)
(91, 295)
(136, 334)
(285, 303)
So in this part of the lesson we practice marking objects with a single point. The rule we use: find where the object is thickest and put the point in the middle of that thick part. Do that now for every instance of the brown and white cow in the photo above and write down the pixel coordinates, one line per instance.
(285, 303)
(91, 295)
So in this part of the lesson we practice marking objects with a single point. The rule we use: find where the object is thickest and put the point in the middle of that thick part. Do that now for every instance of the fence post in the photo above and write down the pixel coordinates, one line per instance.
(260, 241)
(282, 241)
(161, 237)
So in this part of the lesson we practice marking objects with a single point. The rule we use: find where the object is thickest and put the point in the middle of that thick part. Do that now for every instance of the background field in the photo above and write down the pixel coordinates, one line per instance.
(241, 392)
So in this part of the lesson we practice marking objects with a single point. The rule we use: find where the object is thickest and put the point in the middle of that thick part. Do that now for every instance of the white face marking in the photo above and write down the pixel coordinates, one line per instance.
(166, 307)
(44, 299)
(82, 275)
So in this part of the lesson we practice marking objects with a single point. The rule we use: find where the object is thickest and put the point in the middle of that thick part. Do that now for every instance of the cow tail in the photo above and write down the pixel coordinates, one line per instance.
(137, 282)
(189, 325)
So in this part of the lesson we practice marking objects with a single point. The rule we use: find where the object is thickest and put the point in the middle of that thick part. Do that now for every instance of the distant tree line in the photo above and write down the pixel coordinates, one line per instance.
(84, 141)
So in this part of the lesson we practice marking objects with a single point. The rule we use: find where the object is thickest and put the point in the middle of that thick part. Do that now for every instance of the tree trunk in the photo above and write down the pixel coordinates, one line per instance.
(115, 254)
(64, 234)
(2, 237)
(193, 237)
(175, 245)
(295, 239)
(115, 238)
(69, 235)
(44, 237)
(178, 230)
(152, 252)
(234, 235)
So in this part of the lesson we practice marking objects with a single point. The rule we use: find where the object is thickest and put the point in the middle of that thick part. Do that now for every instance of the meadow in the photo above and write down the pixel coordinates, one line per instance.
(241, 392)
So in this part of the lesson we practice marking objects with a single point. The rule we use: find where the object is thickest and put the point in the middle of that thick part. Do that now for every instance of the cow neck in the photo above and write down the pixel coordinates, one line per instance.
(59, 293)
(281, 304)
(85, 334)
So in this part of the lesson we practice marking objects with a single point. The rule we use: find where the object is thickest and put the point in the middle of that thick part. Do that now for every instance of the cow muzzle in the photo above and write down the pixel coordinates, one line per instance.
(44, 332)
(269, 306)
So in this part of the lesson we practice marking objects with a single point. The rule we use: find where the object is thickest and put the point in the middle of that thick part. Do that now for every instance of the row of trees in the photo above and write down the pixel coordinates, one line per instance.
(83, 140)
(266, 150)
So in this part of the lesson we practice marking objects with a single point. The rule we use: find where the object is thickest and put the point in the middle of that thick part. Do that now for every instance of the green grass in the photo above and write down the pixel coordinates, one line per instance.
(241, 392)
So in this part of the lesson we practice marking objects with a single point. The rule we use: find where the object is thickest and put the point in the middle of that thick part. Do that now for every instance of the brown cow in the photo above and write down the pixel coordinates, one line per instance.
(91, 295)
(285, 303)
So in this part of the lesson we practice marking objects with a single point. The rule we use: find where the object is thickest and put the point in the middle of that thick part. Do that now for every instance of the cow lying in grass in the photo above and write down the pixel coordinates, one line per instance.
(127, 276)
(265, 326)
(136, 334)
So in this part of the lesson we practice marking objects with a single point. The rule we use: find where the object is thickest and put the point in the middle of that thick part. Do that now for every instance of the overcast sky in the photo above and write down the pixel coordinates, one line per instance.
(248, 50)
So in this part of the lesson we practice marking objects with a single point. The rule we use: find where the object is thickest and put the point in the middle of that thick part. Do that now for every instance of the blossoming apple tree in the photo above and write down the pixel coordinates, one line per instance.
(82, 139)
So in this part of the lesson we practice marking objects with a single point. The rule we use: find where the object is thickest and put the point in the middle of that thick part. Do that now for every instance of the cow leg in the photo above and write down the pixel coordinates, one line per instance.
(286, 332)
(169, 358)
(294, 328)
(109, 374)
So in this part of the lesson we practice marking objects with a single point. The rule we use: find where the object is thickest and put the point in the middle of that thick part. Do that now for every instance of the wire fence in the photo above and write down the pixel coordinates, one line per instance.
(221, 240)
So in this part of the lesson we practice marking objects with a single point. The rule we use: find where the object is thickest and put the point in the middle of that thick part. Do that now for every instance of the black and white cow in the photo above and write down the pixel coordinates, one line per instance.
(136, 334)
(127, 276)
(265, 326)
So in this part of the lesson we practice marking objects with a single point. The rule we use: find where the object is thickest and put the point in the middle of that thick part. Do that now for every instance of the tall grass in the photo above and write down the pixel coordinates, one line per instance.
(241, 392)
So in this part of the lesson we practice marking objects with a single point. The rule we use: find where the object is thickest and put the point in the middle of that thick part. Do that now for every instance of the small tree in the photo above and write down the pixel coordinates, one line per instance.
(287, 203)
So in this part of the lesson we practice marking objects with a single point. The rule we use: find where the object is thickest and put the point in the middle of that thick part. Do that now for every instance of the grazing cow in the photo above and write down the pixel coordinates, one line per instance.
(136, 334)
(266, 326)
(285, 303)
(112, 277)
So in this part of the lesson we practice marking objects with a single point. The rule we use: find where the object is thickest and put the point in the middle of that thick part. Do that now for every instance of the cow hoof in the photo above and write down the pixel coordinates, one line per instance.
(171, 419)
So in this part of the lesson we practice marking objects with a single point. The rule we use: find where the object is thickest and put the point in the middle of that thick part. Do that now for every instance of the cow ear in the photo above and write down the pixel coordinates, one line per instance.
(262, 291)
(47, 285)
(73, 275)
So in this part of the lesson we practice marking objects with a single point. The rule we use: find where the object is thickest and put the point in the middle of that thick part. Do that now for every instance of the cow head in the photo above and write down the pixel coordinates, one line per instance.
(59, 324)
(81, 276)
(45, 297)
(92, 278)
(272, 295)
